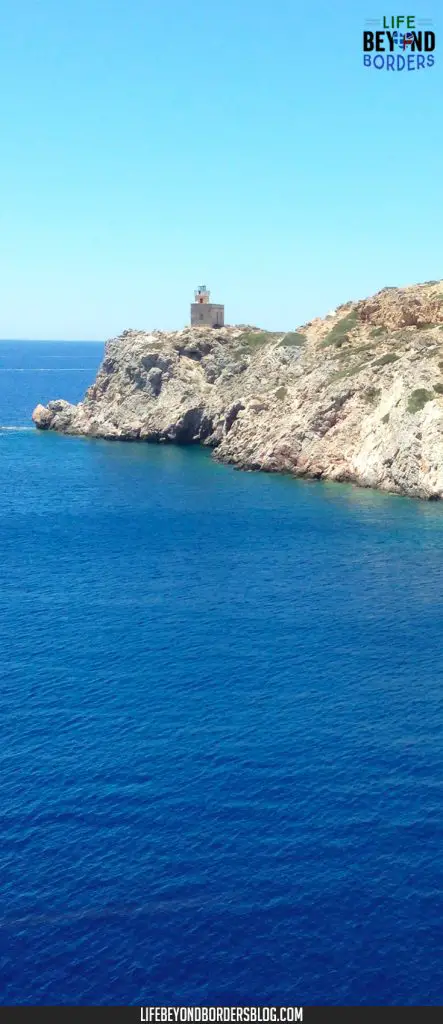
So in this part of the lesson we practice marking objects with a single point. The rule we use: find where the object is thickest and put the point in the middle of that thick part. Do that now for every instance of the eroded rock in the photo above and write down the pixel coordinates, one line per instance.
(355, 396)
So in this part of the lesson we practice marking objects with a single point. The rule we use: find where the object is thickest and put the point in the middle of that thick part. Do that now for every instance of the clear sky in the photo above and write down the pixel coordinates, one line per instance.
(148, 146)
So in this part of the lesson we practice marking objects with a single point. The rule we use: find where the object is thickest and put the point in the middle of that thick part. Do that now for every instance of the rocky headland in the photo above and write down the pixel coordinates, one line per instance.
(354, 396)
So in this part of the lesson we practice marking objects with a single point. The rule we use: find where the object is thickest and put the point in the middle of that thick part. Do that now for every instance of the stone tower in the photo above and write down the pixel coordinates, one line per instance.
(205, 313)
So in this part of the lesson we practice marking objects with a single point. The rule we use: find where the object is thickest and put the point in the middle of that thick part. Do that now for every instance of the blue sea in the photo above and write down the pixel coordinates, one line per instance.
(221, 728)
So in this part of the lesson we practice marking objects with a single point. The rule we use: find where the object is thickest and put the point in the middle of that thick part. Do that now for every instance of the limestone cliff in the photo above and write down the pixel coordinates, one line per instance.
(355, 396)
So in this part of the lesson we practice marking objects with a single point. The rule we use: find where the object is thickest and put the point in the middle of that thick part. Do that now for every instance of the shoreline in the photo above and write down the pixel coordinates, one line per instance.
(355, 397)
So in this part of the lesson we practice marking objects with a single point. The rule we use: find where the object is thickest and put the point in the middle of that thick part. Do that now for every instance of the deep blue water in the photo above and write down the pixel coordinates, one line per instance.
(32, 372)
(221, 728)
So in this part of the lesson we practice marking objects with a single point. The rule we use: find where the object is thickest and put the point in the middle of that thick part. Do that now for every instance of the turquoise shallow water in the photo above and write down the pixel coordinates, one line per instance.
(221, 760)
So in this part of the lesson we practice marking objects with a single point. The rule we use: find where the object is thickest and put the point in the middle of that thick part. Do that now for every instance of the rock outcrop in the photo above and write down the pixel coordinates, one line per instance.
(356, 396)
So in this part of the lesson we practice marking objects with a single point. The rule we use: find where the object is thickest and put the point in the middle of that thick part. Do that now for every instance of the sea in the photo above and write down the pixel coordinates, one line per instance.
(221, 727)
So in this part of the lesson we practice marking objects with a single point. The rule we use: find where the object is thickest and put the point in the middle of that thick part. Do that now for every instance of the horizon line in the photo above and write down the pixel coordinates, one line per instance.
(58, 341)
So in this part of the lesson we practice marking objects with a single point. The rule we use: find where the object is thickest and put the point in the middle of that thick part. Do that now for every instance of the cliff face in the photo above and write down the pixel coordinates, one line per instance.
(355, 396)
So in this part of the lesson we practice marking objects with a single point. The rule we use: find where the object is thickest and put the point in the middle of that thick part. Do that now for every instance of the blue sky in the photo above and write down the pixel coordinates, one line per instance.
(150, 146)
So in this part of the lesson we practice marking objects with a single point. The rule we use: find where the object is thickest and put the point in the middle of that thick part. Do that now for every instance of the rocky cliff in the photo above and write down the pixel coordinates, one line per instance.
(355, 396)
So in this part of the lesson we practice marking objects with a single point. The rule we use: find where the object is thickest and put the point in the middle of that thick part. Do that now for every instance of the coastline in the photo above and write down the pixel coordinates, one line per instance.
(355, 397)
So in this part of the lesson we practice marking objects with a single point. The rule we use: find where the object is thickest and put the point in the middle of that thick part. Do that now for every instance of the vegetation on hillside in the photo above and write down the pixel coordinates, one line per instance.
(248, 341)
(389, 357)
(418, 398)
(338, 334)
(294, 339)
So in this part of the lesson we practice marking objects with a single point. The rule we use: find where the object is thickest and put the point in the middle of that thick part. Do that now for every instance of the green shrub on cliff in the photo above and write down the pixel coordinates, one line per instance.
(251, 340)
(338, 334)
(371, 395)
(389, 357)
(348, 371)
(295, 339)
(418, 398)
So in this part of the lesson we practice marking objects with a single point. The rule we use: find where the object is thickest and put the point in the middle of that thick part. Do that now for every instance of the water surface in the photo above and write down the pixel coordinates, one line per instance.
(221, 729)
